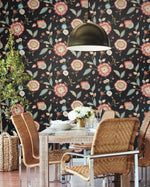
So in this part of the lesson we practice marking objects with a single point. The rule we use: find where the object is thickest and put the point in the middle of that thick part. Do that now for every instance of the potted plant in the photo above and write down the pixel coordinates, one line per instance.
(12, 77)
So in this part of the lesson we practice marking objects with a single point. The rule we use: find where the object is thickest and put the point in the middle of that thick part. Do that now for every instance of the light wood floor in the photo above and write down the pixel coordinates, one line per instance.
(11, 179)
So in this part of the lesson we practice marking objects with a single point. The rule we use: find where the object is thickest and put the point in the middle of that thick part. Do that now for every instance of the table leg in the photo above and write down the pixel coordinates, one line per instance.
(125, 181)
(44, 167)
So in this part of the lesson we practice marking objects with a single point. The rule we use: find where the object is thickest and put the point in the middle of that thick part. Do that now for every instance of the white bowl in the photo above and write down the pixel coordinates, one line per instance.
(62, 125)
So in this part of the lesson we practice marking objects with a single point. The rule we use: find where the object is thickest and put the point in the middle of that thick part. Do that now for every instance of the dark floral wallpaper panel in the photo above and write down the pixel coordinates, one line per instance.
(118, 79)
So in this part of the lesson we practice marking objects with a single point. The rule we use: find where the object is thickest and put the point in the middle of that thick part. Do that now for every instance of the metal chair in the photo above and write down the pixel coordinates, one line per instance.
(27, 149)
(111, 150)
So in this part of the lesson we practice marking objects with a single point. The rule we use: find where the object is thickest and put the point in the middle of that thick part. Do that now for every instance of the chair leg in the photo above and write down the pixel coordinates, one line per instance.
(28, 177)
(20, 174)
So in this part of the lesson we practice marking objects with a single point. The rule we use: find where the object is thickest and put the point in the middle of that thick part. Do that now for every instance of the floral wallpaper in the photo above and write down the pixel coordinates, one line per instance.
(118, 79)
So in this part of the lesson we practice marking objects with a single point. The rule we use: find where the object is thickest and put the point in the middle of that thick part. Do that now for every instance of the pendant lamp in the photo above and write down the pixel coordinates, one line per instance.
(88, 37)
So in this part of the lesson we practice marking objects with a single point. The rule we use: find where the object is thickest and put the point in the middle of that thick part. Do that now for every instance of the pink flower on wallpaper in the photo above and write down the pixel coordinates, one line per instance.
(60, 49)
(75, 22)
(129, 24)
(16, 109)
(33, 4)
(41, 105)
(33, 44)
(120, 4)
(145, 89)
(76, 103)
(84, 3)
(17, 28)
(129, 106)
(60, 8)
(120, 85)
(41, 24)
(33, 85)
(106, 26)
(104, 69)
(128, 65)
(103, 107)
(145, 48)
(121, 44)
(37, 125)
(60, 89)
(145, 7)
(41, 64)
(77, 65)
(85, 85)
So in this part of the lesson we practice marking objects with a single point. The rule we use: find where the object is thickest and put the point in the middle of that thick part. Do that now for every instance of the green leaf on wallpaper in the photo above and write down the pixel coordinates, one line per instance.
(94, 61)
(87, 71)
(122, 115)
(122, 74)
(117, 32)
(73, 11)
(138, 40)
(51, 40)
(29, 72)
(51, 82)
(43, 10)
(89, 62)
(35, 115)
(137, 27)
(90, 103)
(131, 10)
(122, 33)
(73, 93)
(49, 27)
(78, 54)
(133, 83)
(94, 102)
(133, 42)
(74, 53)
(138, 81)
(44, 91)
(35, 33)
(94, 19)
(7, 20)
(3, 22)
(79, 13)
(137, 108)
(117, 114)
(35, 74)
(46, 83)
(1, 30)
(6, 6)
(44, 50)
(117, 73)
(49, 108)
(130, 92)
(50, 67)
(79, 95)
(93, 88)
(29, 31)
(93, 6)
(137, 67)
(130, 51)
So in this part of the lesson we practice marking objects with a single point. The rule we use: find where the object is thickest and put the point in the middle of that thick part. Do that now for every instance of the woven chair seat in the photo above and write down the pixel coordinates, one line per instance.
(55, 156)
(81, 171)
(81, 146)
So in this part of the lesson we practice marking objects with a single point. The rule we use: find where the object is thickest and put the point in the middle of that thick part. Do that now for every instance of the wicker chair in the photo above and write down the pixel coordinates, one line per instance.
(108, 114)
(110, 153)
(27, 148)
(144, 144)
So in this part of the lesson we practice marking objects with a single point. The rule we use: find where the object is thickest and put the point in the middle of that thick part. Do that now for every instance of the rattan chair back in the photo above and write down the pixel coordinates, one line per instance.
(144, 142)
(27, 117)
(114, 135)
(24, 136)
(108, 114)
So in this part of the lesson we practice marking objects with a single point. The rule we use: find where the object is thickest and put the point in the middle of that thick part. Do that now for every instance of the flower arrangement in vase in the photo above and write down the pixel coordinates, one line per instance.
(80, 114)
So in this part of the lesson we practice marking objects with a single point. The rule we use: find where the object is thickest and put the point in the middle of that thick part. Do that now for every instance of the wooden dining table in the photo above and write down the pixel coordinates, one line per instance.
(52, 135)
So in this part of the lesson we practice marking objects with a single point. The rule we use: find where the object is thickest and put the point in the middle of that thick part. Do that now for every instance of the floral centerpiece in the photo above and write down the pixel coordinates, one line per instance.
(80, 114)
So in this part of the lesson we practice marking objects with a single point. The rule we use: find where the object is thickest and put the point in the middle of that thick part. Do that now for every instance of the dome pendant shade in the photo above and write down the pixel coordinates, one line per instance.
(88, 37)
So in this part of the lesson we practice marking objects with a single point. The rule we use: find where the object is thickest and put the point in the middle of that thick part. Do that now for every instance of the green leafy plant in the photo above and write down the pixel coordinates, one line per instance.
(12, 76)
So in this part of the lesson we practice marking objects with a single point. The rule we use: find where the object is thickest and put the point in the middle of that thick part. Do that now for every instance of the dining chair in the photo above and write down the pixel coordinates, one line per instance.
(27, 149)
(143, 142)
(108, 114)
(111, 150)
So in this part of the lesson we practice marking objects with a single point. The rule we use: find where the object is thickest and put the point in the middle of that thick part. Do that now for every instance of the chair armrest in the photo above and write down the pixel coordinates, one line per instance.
(114, 154)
